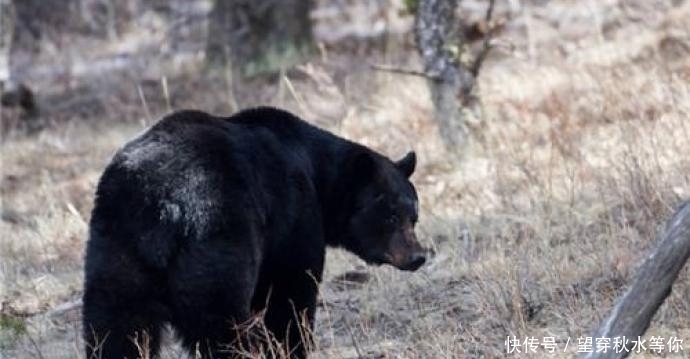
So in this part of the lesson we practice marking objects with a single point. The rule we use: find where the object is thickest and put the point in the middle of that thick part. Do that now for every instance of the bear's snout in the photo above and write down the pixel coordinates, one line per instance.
(415, 261)
(407, 262)
(405, 252)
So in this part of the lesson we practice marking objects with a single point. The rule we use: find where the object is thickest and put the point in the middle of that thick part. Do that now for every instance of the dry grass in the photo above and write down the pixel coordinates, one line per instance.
(580, 156)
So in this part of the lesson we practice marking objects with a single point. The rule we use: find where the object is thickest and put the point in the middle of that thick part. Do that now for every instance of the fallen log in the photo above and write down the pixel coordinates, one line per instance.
(633, 312)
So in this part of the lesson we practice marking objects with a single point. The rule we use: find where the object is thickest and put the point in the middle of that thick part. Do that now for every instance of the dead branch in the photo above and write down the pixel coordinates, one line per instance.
(486, 45)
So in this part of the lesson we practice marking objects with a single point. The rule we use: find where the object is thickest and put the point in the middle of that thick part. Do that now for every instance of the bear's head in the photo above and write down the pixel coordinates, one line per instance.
(383, 212)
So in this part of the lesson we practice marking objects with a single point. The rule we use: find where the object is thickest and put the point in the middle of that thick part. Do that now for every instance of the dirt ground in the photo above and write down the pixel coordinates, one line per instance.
(578, 159)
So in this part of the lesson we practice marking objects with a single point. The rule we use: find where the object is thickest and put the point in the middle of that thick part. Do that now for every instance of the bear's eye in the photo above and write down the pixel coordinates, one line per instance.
(393, 220)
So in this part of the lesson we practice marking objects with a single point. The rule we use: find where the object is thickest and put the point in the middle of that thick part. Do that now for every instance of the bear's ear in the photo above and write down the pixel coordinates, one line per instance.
(407, 164)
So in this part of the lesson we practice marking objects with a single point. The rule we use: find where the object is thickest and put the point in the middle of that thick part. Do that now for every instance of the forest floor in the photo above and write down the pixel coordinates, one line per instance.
(538, 224)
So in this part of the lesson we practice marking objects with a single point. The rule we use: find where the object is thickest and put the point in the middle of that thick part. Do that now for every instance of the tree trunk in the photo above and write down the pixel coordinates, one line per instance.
(633, 313)
(7, 19)
(12, 93)
(259, 36)
(439, 41)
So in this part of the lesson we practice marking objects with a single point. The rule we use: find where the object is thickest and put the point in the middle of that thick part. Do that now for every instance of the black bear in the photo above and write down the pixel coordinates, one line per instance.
(202, 222)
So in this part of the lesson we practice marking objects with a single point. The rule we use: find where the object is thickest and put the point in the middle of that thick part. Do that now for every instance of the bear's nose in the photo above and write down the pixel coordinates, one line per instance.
(416, 260)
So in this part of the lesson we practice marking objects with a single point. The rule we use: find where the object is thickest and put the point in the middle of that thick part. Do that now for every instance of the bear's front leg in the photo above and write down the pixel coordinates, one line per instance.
(291, 308)
(291, 273)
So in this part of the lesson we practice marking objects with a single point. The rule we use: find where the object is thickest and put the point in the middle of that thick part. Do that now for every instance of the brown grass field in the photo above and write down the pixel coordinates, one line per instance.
(579, 157)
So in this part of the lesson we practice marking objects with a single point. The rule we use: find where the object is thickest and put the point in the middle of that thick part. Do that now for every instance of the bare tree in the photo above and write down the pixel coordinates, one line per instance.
(452, 77)
(633, 313)
(258, 36)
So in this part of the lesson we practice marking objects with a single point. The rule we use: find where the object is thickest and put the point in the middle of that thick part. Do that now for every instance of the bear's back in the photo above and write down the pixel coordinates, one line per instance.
(197, 170)
(257, 131)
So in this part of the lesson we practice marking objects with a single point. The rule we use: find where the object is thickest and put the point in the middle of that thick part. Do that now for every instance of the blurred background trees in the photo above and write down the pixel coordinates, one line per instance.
(13, 93)
(259, 36)
(59, 49)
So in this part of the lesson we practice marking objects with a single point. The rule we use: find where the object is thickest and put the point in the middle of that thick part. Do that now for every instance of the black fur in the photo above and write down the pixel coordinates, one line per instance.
(203, 221)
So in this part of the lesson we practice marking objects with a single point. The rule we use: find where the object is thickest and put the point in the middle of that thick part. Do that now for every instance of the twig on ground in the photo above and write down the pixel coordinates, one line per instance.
(64, 307)
(398, 70)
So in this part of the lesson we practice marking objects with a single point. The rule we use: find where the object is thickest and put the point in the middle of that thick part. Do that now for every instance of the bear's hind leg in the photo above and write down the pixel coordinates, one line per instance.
(211, 326)
(212, 287)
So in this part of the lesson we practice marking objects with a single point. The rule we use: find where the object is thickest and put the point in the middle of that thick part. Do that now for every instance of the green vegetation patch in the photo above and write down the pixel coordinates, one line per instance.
(11, 328)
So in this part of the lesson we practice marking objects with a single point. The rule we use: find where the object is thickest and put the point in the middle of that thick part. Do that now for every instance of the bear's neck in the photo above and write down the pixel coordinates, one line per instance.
(333, 188)
(328, 155)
